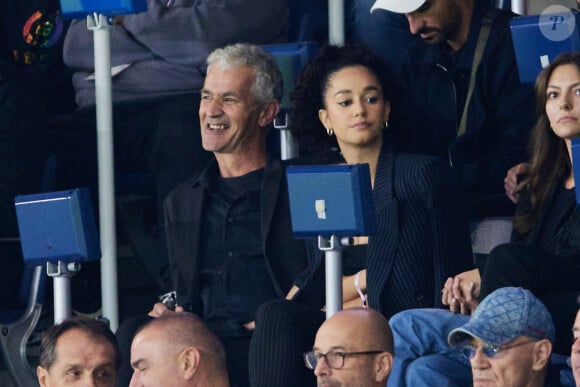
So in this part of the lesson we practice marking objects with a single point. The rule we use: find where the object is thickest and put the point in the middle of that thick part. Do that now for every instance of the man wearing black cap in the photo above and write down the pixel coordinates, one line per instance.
(464, 101)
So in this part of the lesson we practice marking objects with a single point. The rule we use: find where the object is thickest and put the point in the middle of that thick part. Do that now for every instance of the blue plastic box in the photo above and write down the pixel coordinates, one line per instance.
(291, 58)
(75, 9)
(57, 226)
(534, 49)
(331, 200)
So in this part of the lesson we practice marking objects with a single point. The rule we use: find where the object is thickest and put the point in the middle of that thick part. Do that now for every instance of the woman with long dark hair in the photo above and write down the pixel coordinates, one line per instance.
(543, 255)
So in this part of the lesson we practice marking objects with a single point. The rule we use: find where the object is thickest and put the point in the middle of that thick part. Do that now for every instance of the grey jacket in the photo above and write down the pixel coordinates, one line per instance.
(166, 46)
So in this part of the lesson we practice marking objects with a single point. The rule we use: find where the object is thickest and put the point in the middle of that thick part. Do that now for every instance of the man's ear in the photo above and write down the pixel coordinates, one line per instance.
(384, 364)
(189, 362)
(42, 375)
(542, 352)
(268, 112)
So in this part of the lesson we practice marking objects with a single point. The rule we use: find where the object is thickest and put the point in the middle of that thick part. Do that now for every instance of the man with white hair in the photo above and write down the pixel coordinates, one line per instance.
(228, 229)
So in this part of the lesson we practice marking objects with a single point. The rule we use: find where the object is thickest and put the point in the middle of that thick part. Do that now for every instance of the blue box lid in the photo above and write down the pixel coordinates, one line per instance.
(57, 226)
(331, 200)
(539, 39)
(75, 9)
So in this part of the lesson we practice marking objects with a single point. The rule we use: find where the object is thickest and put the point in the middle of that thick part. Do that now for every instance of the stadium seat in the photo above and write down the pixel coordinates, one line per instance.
(18, 323)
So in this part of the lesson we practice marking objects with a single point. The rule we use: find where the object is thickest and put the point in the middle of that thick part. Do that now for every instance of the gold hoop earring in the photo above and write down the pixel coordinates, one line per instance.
(329, 131)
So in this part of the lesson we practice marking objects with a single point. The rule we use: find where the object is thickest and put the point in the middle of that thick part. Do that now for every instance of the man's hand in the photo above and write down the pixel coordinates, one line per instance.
(461, 292)
(515, 180)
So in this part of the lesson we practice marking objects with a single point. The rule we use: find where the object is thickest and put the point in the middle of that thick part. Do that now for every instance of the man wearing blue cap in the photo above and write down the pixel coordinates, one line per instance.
(464, 101)
(508, 340)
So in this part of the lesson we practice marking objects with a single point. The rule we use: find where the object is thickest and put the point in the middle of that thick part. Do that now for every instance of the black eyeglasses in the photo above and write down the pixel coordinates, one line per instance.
(333, 359)
(489, 350)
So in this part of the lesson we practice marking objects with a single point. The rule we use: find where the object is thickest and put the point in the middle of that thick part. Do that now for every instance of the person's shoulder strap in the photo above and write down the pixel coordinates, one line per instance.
(484, 31)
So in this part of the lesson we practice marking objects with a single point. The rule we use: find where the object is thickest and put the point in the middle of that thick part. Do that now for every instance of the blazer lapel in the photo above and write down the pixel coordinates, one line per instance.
(383, 246)
(271, 181)
(270, 188)
(383, 190)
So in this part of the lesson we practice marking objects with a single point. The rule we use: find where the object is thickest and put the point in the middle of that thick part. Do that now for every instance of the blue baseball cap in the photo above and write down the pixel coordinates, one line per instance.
(504, 315)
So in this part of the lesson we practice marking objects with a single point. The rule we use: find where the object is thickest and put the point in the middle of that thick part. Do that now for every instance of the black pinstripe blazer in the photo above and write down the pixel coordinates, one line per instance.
(422, 235)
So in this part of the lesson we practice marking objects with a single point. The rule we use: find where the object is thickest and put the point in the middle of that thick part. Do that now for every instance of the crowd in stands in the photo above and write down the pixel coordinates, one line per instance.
(508, 341)
(432, 103)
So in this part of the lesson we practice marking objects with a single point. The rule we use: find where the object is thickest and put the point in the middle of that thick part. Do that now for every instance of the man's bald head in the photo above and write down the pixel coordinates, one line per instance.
(186, 330)
(363, 325)
(177, 349)
(362, 338)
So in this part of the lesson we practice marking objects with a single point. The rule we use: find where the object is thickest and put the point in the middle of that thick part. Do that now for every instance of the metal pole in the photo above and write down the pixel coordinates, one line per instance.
(336, 22)
(100, 25)
(62, 299)
(333, 273)
(288, 145)
(520, 7)
(61, 273)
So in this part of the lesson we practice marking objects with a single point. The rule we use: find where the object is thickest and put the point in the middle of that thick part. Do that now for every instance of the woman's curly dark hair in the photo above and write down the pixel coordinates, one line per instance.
(308, 96)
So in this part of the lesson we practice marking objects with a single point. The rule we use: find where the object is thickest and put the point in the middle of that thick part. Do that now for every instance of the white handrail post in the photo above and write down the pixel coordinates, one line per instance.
(100, 25)
(336, 22)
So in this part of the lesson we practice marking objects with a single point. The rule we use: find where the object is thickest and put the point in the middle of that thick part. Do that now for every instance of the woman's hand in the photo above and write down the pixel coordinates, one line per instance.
(461, 292)
(515, 180)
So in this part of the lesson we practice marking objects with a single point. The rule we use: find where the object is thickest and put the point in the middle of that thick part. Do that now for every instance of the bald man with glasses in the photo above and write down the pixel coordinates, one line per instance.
(352, 348)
